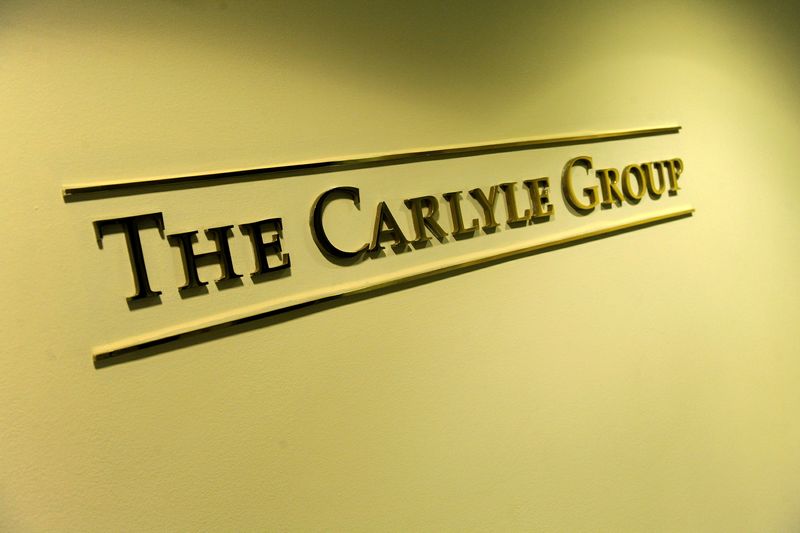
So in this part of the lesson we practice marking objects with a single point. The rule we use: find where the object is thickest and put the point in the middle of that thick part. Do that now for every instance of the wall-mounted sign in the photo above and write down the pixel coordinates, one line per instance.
(585, 185)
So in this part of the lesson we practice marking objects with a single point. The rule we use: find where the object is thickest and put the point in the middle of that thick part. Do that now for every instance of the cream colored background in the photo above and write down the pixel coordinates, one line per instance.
(646, 382)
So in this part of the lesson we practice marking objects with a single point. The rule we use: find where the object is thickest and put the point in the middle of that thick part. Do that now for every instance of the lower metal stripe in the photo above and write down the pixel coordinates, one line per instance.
(123, 353)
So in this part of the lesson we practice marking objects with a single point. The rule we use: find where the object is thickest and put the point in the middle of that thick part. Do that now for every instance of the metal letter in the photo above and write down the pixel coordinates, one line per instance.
(130, 227)
(638, 173)
(649, 173)
(539, 190)
(608, 185)
(222, 255)
(384, 217)
(261, 249)
(566, 184)
(511, 205)
(488, 205)
(454, 199)
(674, 170)
(318, 230)
(421, 220)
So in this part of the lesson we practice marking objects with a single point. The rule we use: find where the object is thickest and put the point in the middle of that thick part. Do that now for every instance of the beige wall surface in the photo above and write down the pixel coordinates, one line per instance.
(644, 382)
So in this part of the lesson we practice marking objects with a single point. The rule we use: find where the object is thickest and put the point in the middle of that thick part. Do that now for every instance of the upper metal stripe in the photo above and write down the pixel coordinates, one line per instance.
(140, 186)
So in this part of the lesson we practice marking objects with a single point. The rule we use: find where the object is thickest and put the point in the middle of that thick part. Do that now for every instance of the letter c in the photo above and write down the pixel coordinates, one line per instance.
(318, 230)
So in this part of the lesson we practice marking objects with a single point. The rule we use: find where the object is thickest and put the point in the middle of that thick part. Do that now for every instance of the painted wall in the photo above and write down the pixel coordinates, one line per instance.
(646, 382)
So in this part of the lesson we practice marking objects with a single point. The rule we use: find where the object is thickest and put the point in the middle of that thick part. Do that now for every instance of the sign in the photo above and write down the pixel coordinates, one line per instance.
(437, 218)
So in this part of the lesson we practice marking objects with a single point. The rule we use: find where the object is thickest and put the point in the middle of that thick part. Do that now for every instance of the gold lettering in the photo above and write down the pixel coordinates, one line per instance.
(511, 205)
(569, 193)
(539, 190)
(488, 205)
(638, 173)
(384, 218)
(454, 198)
(423, 220)
(608, 185)
(674, 169)
(650, 175)
(318, 230)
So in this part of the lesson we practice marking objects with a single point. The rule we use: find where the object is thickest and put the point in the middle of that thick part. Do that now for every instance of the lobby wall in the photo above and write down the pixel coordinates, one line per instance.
(644, 382)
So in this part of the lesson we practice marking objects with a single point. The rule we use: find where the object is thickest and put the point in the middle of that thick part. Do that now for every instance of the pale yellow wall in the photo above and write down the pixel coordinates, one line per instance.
(647, 382)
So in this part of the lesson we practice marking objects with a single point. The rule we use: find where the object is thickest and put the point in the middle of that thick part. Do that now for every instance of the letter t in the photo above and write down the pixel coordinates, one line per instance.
(130, 227)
